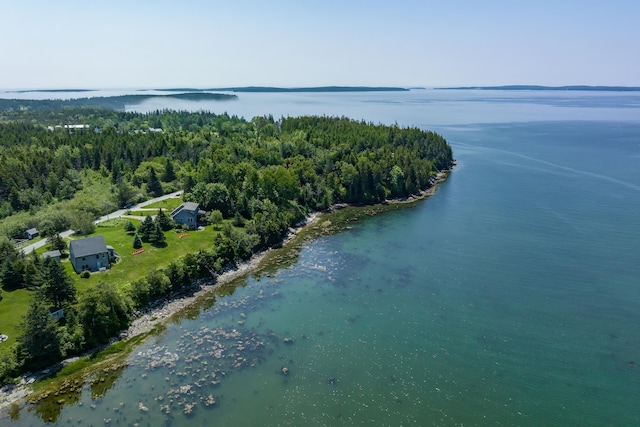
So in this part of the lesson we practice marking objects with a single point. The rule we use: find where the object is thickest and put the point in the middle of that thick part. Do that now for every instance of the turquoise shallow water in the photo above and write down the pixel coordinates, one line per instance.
(510, 297)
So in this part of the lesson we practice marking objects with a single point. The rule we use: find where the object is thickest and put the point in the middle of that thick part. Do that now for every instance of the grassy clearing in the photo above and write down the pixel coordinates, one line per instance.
(14, 305)
(169, 204)
(131, 266)
(149, 212)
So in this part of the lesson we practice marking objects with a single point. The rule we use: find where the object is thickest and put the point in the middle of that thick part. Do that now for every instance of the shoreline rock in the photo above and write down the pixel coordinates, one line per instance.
(12, 393)
(157, 315)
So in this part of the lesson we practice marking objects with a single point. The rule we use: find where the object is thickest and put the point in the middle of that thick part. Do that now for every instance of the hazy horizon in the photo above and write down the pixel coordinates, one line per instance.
(289, 44)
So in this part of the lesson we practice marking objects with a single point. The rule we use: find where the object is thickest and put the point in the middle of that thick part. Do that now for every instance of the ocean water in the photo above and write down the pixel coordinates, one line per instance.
(510, 297)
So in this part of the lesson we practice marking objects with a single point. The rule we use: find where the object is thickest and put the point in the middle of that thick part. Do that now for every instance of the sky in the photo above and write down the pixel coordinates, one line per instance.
(101, 44)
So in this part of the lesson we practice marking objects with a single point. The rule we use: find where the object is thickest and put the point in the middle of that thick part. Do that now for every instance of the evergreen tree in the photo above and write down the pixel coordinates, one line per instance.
(153, 184)
(169, 173)
(163, 220)
(9, 275)
(32, 274)
(56, 242)
(157, 235)
(146, 228)
(39, 343)
(58, 288)
(137, 242)
(188, 183)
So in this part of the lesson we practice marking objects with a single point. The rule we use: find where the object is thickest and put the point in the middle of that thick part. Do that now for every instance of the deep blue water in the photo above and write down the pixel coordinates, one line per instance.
(510, 297)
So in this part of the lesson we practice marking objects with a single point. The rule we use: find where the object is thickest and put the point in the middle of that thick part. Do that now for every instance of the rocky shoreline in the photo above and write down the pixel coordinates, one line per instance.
(161, 311)
(155, 316)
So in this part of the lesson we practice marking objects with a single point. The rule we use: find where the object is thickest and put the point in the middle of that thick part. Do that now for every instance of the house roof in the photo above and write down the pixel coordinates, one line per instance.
(32, 231)
(52, 254)
(89, 246)
(186, 206)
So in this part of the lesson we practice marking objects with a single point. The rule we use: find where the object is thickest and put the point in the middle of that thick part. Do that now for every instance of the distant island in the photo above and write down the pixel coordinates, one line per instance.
(536, 87)
(116, 103)
(51, 90)
(296, 89)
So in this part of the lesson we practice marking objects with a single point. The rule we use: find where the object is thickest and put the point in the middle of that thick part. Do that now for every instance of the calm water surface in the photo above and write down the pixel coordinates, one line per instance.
(510, 297)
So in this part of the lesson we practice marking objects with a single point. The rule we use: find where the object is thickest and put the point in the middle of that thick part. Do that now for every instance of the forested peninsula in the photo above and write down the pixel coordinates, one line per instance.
(117, 103)
(252, 180)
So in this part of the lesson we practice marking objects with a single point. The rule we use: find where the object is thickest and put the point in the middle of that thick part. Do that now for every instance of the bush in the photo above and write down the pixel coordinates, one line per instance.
(129, 227)
(85, 274)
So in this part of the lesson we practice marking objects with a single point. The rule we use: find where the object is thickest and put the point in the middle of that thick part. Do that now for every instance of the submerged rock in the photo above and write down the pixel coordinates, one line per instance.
(209, 400)
(188, 408)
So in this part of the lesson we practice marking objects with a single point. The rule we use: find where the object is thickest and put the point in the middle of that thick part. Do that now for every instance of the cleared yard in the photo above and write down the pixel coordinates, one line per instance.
(131, 267)
(14, 306)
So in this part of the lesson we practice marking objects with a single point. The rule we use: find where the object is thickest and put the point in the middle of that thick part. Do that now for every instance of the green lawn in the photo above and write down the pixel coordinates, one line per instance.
(131, 266)
(143, 213)
(14, 304)
(169, 204)
(148, 211)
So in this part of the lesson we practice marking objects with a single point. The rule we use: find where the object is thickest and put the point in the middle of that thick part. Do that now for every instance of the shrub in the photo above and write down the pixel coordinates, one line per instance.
(85, 274)
(129, 227)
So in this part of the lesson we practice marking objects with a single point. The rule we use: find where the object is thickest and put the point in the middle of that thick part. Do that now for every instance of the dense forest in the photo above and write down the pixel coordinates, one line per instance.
(61, 168)
(310, 161)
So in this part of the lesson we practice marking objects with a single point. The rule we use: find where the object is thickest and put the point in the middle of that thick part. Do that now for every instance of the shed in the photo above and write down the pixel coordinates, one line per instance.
(56, 313)
(52, 254)
(31, 233)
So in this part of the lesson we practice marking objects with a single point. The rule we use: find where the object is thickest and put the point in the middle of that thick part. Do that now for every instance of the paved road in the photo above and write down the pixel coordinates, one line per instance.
(115, 214)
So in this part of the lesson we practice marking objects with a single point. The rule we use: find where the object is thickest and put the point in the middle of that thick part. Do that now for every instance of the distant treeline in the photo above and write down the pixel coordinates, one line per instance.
(115, 103)
(313, 89)
(294, 89)
(535, 87)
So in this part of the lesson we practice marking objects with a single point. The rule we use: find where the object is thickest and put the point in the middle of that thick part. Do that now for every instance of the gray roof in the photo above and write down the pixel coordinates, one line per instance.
(89, 246)
(32, 231)
(186, 206)
(52, 254)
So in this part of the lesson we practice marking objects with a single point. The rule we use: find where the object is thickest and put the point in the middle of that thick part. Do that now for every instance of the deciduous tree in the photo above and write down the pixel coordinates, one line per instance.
(103, 312)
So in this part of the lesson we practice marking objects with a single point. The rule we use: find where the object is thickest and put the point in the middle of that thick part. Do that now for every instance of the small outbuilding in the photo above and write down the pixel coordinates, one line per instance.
(56, 313)
(89, 254)
(52, 254)
(31, 233)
